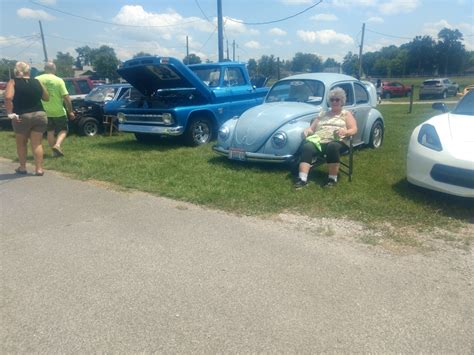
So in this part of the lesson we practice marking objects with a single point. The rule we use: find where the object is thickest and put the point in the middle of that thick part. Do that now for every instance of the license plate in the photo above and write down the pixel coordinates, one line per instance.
(236, 154)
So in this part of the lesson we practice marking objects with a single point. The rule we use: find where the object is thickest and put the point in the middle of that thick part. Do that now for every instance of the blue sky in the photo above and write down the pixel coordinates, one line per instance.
(329, 29)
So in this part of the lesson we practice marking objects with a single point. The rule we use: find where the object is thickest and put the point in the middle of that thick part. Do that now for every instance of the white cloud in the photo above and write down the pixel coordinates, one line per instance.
(277, 32)
(354, 3)
(325, 37)
(375, 19)
(281, 43)
(253, 45)
(232, 26)
(324, 17)
(432, 29)
(297, 2)
(30, 13)
(394, 7)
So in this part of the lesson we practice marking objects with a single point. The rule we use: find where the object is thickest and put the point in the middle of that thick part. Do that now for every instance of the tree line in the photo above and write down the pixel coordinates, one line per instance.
(422, 56)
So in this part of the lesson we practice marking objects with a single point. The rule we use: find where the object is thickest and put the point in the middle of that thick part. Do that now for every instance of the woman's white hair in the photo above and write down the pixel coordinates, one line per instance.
(21, 69)
(338, 93)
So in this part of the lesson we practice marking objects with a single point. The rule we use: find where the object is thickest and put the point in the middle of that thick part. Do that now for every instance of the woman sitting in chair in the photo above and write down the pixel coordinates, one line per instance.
(326, 137)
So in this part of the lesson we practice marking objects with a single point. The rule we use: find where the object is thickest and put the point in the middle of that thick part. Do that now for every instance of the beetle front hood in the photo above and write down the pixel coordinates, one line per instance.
(256, 125)
(149, 74)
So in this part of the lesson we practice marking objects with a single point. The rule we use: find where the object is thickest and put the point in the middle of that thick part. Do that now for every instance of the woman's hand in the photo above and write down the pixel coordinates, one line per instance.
(308, 132)
(342, 132)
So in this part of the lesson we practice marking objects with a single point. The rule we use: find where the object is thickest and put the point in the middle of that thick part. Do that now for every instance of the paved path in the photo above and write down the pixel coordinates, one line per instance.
(86, 269)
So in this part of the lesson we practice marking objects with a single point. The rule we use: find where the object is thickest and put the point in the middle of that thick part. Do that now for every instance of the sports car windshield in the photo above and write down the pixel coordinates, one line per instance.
(309, 91)
(466, 105)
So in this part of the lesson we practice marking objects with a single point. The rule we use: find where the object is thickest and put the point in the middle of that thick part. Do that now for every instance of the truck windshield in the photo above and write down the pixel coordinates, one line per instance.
(309, 91)
(101, 94)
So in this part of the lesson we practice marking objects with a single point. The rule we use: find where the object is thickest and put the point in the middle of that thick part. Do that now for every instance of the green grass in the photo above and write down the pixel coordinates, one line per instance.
(379, 193)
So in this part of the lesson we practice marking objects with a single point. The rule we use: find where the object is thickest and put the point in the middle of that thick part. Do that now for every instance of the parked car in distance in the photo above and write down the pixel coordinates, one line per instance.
(394, 89)
(90, 112)
(438, 88)
(79, 87)
(440, 152)
(273, 132)
(178, 100)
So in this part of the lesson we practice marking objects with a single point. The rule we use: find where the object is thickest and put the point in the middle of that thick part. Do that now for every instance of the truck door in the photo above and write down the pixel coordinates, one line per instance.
(242, 93)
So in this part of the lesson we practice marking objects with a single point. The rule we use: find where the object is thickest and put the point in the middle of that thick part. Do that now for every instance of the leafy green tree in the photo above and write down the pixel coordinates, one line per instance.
(252, 67)
(83, 56)
(191, 59)
(421, 55)
(267, 66)
(6, 69)
(450, 50)
(350, 64)
(142, 54)
(64, 64)
(105, 63)
(306, 62)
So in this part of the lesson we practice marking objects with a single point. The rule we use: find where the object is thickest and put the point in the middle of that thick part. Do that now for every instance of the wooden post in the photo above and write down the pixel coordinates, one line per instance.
(411, 98)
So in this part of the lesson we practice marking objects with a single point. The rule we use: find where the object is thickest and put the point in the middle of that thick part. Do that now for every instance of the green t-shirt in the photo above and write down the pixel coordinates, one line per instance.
(56, 89)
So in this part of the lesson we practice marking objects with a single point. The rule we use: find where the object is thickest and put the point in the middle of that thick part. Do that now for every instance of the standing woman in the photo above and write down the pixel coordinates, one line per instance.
(23, 97)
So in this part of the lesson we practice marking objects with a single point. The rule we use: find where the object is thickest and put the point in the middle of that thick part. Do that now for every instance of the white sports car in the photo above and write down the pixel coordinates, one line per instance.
(441, 150)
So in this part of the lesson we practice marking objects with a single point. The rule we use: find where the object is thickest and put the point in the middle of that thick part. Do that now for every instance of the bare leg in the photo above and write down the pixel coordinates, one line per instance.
(22, 149)
(37, 147)
(51, 139)
(61, 137)
(304, 168)
(333, 168)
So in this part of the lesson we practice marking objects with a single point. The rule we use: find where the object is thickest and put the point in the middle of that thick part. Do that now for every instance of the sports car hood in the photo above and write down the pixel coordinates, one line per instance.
(149, 74)
(256, 125)
(457, 128)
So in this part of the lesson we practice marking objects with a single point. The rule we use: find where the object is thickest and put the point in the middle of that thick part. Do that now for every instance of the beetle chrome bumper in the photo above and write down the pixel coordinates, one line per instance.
(257, 157)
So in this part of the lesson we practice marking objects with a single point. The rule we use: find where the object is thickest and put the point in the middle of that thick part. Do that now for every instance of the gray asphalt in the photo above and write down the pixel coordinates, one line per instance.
(88, 269)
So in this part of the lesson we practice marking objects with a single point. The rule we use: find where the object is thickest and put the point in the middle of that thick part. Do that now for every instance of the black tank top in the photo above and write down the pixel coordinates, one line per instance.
(27, 98)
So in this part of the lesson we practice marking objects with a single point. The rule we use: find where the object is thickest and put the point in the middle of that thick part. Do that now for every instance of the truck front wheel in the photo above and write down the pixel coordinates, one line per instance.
(199, 131)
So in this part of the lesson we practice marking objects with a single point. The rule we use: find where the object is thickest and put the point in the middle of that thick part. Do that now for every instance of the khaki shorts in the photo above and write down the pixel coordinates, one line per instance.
(57, 124)
(31, 122)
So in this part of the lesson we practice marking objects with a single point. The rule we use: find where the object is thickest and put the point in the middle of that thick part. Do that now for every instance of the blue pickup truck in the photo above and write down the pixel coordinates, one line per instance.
(175, 99)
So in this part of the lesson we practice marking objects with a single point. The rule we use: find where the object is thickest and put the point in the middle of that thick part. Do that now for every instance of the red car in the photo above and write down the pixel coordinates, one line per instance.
(394, 88)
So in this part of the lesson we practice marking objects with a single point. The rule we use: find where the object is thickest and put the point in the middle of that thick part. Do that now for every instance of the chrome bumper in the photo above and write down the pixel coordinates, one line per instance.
(257, 157)
(163, 130)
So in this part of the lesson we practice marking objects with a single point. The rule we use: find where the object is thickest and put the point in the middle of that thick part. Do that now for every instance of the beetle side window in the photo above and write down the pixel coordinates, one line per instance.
(361, 95)
(347, 87)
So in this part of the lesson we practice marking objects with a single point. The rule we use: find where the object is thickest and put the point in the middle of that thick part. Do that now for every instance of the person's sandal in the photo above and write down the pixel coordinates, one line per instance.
(58, 152)
(39, 173)
(21, 172)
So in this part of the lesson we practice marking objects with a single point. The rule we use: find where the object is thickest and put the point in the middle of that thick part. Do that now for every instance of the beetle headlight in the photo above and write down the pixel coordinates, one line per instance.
(167, 118)
(279, 140)
(121, 117)
(224, 133)
(428, 138)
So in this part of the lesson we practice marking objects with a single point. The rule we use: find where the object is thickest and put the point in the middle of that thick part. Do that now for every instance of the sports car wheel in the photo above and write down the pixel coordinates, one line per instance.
(199, 131)
(376, 135)
(89, 126)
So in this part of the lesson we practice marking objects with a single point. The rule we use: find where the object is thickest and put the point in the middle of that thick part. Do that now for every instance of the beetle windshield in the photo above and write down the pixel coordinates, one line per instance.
(301, 90)
(466, 105)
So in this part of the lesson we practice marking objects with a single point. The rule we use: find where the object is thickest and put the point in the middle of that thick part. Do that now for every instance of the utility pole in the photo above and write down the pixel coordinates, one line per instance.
(187, 50)
(233, 50)
(360, 51)
(227, 46)
(44, 45)
(220, 37)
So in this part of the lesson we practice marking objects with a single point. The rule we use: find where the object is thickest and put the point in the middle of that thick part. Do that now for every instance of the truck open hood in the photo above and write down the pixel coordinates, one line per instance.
(149, 74)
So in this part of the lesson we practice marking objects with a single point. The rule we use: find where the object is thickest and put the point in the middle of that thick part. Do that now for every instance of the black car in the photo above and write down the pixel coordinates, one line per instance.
(90, 111)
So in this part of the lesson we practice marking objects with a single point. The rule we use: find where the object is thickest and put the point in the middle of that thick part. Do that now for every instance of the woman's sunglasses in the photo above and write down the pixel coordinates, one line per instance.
(334, 99)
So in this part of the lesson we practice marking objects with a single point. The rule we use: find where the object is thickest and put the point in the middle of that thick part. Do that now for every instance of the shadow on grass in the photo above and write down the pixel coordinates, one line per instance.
(460, 208)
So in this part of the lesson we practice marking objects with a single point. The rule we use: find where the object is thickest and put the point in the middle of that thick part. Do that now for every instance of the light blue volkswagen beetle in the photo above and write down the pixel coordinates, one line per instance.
(273, 131)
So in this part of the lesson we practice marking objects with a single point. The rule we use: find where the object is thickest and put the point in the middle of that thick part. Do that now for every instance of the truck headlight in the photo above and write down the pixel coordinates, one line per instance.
(121, 117)
(167, 118)
(428, 138)
(279, 140)
(224, 133)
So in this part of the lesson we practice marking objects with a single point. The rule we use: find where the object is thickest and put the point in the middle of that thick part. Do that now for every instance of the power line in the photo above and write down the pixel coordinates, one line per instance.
(280, 20)
(17, 38)
(106, 22)
(202, 12)
(24, 49)
(18, 43)
(384, 34)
